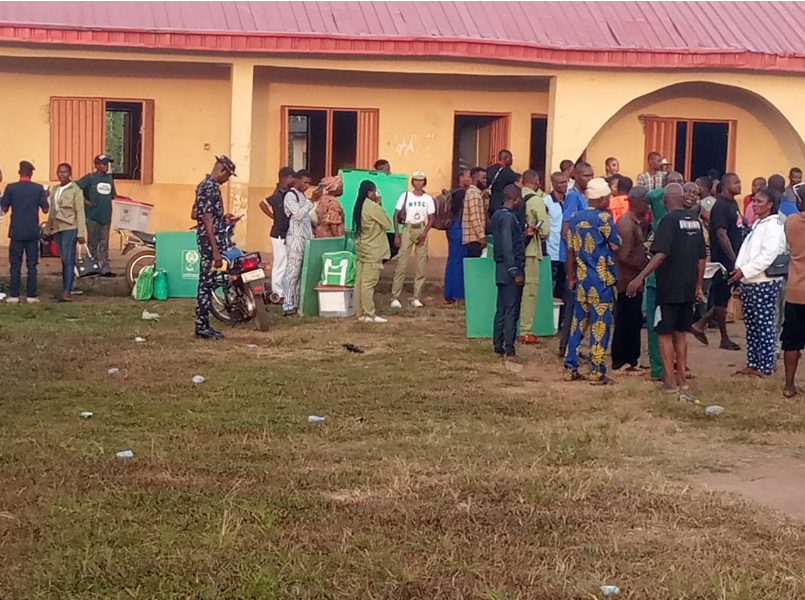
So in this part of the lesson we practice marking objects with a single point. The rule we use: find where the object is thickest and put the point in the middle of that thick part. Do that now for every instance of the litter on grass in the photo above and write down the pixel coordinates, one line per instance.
(353, 348)
(610, 590)
(139, 339)
(149, 316)
(113, 371)
(712, 411)
(86, 415)
(125, 454)
(251, 346)
(198, 379)
(315, 419)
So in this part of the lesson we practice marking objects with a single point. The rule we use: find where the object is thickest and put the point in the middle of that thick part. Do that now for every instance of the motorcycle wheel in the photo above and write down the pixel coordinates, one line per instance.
(219, 310)
(137, 263)
(260, 312)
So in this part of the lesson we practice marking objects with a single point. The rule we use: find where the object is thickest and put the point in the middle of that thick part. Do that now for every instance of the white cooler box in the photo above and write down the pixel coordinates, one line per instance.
(336, 301)
(130, 214)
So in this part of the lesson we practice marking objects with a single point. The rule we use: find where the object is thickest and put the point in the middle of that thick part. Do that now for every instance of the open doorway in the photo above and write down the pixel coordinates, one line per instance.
(694, 147)
(539, 143)
(322, 140)
(477, 139)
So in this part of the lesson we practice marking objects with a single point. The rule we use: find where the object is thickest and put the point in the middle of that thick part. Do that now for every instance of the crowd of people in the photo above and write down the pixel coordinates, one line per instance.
(79, 213)
(664, 253)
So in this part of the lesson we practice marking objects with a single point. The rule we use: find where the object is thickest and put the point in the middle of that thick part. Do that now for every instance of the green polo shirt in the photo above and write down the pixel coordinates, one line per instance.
(99, 190)
(658, 211)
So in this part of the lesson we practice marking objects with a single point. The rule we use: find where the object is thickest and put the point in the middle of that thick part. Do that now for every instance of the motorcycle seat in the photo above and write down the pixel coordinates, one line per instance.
(147, 238)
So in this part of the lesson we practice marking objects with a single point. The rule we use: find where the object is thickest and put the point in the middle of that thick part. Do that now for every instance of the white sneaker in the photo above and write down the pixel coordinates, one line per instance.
(396, 304)
(32, 300)
(12, 300)
(416, 303)
(379, 319)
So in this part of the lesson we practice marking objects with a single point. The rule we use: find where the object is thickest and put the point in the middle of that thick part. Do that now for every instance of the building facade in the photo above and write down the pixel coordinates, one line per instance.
(166, 87)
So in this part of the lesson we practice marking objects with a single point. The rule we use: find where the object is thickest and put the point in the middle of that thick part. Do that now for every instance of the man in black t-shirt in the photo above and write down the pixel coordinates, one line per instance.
(725, 241)
(498, 177)
(274, 208)
(679, 260)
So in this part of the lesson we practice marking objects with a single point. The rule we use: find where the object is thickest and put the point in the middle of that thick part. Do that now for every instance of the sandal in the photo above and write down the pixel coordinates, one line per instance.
(730, 346)
(700, 336)
(602, 381)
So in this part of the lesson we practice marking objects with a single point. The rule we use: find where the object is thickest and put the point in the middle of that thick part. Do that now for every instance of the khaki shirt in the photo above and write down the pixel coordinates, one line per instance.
(372, 245)
(535, 211)
(67, 210)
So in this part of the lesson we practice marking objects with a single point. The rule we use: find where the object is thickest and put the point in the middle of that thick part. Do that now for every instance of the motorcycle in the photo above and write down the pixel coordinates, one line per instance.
(146, 255)
(245, 291)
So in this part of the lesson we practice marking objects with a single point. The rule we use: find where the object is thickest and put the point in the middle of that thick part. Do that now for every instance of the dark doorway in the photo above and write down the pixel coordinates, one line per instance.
(709, 148)
(477, 139)
(539, 143)
(345, 140)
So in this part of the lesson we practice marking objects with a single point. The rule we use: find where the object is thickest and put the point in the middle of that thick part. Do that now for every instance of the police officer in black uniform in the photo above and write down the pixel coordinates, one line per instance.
(208, 210)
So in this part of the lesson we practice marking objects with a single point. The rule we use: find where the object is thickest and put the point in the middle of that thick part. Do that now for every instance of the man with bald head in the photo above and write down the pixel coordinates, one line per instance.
(679, 260)
(725, 241)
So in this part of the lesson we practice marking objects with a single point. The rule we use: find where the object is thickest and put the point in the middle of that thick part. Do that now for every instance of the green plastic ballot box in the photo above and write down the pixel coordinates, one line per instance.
(390, 187)
(179, 257)
(481, 294)
(312, 266)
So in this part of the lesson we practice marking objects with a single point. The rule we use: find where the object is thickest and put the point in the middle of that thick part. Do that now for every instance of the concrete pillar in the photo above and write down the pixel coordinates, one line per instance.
(241, 142)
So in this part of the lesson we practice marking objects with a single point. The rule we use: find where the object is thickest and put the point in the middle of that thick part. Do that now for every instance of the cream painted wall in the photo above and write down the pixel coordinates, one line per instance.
(758, 151)
(416, 123)
(192, 106)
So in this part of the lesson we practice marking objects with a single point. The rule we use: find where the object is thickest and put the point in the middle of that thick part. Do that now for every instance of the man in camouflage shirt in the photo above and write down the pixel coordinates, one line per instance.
(208, 210)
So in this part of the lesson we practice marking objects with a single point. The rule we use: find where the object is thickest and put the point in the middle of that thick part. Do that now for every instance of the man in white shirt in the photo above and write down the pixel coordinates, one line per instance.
(415, 209)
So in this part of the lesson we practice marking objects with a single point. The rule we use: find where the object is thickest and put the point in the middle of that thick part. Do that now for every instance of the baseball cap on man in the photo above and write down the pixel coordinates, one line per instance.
(26, 166)
(419, 175)
(226, 163)
(104, 158)
(598, 188)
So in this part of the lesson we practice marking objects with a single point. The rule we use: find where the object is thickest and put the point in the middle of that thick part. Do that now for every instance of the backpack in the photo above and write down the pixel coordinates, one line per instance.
(443, 218)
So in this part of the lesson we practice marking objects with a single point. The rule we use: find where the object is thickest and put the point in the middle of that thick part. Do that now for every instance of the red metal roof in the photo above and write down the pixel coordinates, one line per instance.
(745, 35)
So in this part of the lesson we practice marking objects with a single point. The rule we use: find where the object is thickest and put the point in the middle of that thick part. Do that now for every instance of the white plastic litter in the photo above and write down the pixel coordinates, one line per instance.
(315, 419)
(251, 346)
(139, 339)
(2, 296)
(610, 590)
(712, 411)
(113, 371)
(198, 379)
(149, 316)
(125, 454)
(86, 415)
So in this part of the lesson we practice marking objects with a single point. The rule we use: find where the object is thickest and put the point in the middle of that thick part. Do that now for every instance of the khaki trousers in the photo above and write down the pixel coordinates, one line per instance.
(366, 277)
(410, 233)
(529, 303)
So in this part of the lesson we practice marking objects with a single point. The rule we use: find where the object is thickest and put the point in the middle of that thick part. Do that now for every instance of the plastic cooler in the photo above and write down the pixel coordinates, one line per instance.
(130, 214)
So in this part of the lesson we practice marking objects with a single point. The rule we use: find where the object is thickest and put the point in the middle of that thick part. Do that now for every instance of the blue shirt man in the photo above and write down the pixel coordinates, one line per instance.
(24, 199)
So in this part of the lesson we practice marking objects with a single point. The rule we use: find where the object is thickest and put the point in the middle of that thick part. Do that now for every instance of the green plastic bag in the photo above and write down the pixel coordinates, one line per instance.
(144, 288)
(339, 268)
(161, 285)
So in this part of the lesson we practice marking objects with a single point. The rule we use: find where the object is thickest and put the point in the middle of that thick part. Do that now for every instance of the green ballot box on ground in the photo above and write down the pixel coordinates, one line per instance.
(312, 266)
(481, 293)
(177, 254)
(390, 187)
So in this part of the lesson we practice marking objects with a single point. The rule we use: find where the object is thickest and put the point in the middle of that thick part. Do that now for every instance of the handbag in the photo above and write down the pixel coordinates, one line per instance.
(86, 266)
(779, 268)
(401, 212)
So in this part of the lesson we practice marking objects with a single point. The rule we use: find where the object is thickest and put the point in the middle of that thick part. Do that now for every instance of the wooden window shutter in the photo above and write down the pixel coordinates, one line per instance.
(77, 131)
(660, 136)
(368, 138)
(147, 141)
(498, 137)
(284, 116)
(731, 141)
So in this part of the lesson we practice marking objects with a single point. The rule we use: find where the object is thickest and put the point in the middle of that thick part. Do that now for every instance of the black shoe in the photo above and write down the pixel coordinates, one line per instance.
(209, 334)
(110, 274)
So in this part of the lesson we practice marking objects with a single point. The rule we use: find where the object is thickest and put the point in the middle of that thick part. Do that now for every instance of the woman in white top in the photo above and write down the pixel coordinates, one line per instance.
(759, 292)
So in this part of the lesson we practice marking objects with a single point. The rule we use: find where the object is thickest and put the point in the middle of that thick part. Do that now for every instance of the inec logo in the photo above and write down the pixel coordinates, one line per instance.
(191, 263)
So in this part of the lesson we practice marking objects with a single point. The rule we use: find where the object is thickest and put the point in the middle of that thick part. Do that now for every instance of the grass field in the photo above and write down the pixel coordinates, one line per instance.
(437, 474)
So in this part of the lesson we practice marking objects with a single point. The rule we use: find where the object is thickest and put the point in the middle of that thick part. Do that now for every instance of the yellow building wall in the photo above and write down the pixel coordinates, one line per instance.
(416, 123)
(759, 150)
(192, 106)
